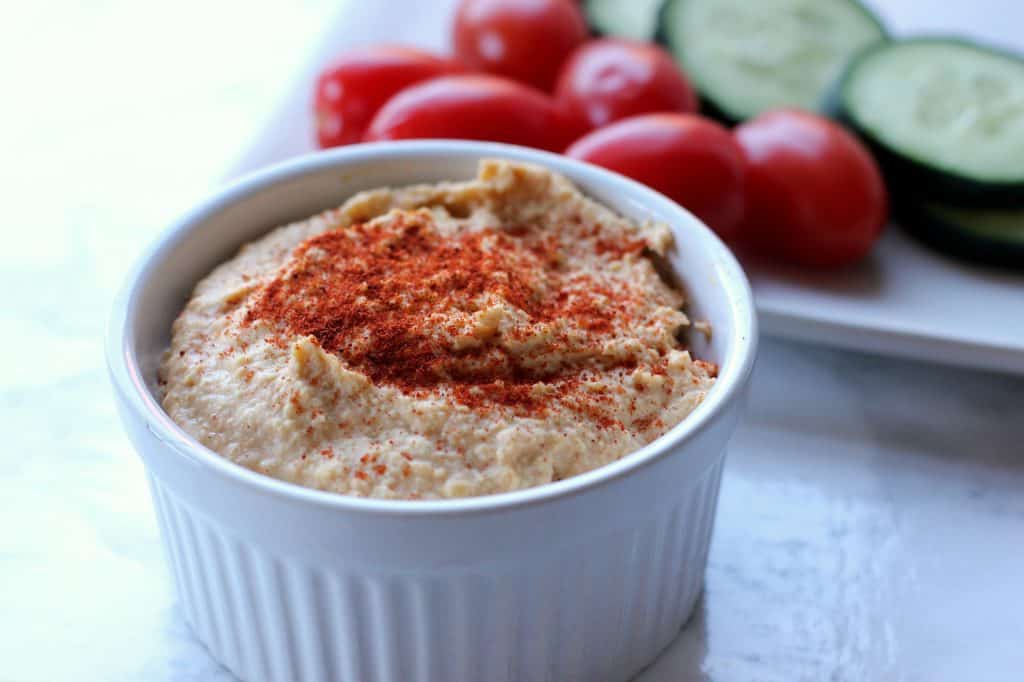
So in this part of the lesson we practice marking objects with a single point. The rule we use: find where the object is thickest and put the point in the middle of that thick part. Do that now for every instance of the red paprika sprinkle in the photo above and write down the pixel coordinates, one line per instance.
(408, 306)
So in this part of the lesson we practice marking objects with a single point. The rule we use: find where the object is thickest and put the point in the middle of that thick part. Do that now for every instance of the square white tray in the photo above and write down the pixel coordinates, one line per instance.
(905, 300)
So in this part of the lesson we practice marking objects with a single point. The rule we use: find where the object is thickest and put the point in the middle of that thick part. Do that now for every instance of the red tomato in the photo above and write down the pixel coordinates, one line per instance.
(351, 90)
(688, 158)
(815, 195)
(606, 80)
(474, 107)
(526, 40)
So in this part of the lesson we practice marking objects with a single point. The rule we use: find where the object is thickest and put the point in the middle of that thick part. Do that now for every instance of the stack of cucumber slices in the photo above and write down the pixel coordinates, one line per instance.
(944, 116)
(946, 120)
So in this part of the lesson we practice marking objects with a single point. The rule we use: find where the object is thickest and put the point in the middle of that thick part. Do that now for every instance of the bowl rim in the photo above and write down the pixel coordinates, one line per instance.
(127, 376)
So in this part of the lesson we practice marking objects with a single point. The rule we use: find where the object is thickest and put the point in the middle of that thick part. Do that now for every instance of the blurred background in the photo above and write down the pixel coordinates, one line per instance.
(116, 116)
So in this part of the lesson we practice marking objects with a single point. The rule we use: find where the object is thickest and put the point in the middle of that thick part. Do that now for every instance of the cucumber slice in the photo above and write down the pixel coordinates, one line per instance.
(945, 116)
(747, 56)
(993, 236)
(633, 19)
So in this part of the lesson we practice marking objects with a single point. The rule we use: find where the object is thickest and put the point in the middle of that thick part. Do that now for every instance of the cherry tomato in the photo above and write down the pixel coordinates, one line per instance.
(688, 158)
(815, 195)
(351, 89)
(606, 80)
(526, 40)
(474, 107)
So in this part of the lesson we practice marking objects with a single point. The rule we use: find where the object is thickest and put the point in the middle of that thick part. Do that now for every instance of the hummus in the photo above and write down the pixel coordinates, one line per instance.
(437, 341)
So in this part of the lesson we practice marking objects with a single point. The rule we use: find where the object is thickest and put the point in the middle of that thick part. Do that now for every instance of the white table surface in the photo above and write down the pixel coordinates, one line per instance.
(871, 524)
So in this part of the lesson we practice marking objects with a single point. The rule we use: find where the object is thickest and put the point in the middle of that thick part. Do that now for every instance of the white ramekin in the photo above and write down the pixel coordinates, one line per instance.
(584, 579)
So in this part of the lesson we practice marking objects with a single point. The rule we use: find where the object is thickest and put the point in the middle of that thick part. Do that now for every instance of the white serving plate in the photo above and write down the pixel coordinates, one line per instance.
(905, 300)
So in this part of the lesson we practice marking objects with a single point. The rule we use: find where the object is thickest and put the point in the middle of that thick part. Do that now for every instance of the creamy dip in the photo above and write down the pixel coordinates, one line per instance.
(438, 341)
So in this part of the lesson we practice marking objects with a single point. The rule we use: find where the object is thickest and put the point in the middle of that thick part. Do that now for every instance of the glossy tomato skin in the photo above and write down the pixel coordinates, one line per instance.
(474, 107)
(525, 40)
(815, 196)
(350, 90)
(688, 158)
(610, 79)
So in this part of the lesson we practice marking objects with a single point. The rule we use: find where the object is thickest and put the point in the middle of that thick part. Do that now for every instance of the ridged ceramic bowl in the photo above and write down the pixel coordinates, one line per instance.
(585, 579)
